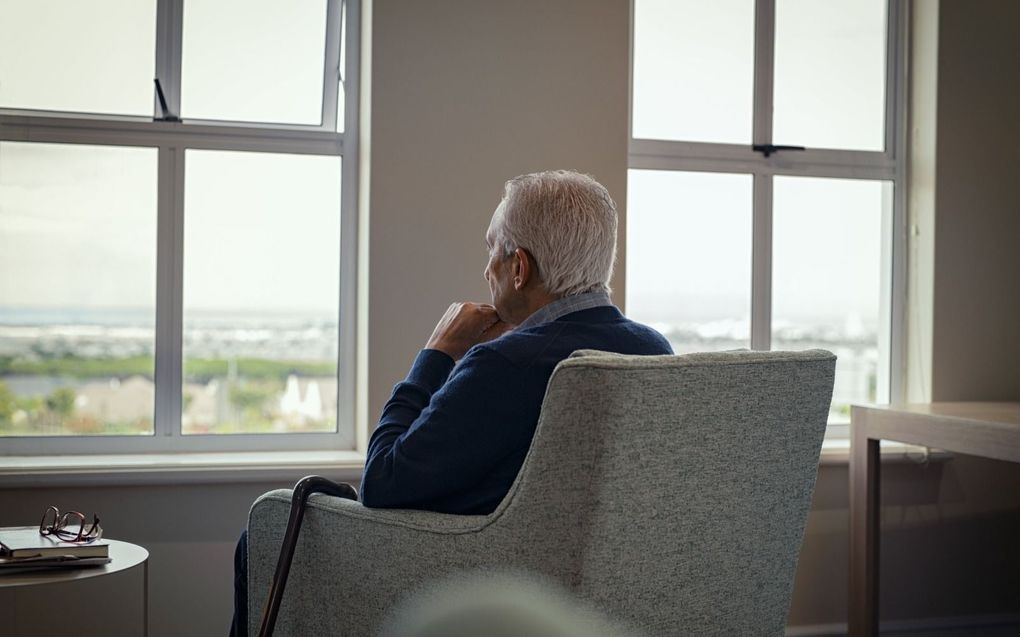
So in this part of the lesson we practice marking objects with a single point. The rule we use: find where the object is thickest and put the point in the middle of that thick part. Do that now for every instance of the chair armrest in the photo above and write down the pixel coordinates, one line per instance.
(352, 563)
(427, 521)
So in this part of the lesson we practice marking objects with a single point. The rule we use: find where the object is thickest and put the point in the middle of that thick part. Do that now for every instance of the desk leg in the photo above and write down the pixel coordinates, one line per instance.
(864, 533)
(145, 598)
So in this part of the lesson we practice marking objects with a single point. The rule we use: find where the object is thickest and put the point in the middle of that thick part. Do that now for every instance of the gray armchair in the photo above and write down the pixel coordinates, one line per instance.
(669, 492)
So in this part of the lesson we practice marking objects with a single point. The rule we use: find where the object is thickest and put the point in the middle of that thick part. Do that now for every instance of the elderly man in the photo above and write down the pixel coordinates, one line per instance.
(453, 436)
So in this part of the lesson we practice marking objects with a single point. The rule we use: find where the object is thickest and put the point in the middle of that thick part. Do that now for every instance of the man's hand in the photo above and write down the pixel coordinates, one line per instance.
(465, 325)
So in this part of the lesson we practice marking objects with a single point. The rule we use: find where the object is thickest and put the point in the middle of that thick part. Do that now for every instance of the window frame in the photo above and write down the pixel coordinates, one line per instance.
(887, 165)
(172, 139)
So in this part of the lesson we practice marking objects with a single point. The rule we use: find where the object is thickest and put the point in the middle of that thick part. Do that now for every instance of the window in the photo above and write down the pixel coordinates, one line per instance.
(735, 241)
(177, 264)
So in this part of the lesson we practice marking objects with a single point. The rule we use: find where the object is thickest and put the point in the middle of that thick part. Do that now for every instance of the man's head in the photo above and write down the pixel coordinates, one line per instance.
(552, 235)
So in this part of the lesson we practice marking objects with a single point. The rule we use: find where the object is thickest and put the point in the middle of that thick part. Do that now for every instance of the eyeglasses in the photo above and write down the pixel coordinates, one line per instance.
(69, 527)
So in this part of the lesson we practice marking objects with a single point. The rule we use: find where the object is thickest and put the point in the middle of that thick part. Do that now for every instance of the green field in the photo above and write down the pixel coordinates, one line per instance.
(195, 369)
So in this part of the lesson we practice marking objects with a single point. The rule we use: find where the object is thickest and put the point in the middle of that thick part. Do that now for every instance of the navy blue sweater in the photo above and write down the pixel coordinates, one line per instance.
(452, 438)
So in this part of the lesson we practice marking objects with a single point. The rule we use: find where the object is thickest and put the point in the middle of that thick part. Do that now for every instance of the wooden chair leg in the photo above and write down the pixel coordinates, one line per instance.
(304, 488)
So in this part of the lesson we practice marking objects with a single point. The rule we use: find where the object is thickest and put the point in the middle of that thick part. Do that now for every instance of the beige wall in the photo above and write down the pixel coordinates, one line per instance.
(922, 113)
(976, 343)
(468, 93)
(465, 95)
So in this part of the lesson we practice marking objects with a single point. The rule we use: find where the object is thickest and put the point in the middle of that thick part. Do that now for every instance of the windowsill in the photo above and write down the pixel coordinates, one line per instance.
(285, 466)
(177, 468)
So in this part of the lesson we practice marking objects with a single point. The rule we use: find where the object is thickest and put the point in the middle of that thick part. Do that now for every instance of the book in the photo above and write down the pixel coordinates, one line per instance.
(20, 542)
(12, 566)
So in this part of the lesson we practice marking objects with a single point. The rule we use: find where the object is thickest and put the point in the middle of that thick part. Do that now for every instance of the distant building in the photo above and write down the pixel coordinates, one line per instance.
(114, 400)
(303, 401)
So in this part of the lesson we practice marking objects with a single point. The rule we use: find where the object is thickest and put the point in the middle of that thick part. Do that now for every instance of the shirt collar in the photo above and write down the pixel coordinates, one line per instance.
(564, 306)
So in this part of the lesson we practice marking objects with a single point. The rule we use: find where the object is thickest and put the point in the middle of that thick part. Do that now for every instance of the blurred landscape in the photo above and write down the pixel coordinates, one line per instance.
(852, 341)
(80, 372)
(89, 372)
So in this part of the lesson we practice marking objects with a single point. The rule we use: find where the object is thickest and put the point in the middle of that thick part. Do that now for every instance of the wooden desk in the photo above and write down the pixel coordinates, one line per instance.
(989, 430)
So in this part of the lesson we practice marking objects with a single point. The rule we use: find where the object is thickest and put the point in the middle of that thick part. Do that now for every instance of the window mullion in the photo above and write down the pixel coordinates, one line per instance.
(761, 263)
(61, 130)
(761, 233)
(896, 119)
(169, 34)
(169, 278)
(331, 71)
(352, 421)
(764, 69)
(895, 78)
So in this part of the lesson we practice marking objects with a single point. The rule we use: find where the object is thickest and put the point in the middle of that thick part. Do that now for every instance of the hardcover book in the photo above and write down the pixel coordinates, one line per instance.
(21, 542)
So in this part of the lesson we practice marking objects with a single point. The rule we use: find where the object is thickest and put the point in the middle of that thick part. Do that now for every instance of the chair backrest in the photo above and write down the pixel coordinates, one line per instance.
(681, 483)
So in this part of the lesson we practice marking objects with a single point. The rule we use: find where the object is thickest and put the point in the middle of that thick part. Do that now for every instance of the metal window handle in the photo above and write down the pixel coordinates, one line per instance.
(769, 149)
(167, 116)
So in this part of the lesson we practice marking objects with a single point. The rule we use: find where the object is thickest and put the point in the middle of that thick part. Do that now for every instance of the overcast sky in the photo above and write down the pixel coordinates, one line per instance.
(77, 224)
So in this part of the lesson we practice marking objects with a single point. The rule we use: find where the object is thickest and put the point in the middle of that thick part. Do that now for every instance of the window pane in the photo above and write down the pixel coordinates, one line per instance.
(827, 285)
(77, 289)
(689, 257)
(830, 74)
(693, 70)
(253, 60)
(68, 55)
(261, 290)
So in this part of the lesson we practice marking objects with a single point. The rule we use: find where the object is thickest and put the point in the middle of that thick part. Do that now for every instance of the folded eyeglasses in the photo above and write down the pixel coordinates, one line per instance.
(70, 526)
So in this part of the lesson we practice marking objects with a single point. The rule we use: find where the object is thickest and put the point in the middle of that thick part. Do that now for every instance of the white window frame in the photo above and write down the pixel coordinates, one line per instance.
(888, 165)
(171, 139)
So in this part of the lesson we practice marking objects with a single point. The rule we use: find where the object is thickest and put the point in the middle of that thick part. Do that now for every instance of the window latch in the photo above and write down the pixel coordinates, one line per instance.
(769, 149)
(167, 116)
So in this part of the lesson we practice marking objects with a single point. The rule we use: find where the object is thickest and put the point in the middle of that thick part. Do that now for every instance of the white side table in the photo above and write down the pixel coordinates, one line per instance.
(124, 556)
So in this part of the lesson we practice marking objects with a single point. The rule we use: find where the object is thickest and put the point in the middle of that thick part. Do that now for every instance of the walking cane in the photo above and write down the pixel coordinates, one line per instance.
(304, 488)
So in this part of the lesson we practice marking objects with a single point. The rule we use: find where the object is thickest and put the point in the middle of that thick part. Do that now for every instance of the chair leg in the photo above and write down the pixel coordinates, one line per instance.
(304, 488)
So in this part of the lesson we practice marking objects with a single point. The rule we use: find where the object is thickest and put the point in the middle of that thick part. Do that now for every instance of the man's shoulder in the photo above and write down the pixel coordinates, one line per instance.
(596, 328)
(515, 346)
(652, 336)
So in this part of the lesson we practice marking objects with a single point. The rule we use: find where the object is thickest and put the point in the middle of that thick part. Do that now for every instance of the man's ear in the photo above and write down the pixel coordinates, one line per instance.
(523, 268)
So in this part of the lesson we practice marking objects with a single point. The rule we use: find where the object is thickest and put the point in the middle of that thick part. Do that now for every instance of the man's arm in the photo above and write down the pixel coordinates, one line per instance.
(410, 397)
(465, 325)
(402, 449)
(465, 428)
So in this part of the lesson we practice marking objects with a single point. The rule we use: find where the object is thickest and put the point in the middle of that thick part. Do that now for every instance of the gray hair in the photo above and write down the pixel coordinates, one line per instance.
(567, 222)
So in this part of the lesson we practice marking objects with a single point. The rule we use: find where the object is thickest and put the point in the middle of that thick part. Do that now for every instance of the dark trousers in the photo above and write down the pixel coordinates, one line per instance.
(239, 627)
